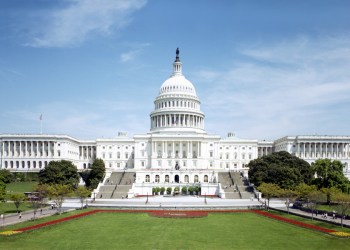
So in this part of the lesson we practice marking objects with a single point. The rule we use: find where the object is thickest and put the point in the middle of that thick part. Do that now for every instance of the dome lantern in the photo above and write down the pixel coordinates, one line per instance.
(177, 65)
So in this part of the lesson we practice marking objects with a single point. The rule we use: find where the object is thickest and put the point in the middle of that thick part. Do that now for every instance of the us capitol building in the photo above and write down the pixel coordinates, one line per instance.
(176, 151)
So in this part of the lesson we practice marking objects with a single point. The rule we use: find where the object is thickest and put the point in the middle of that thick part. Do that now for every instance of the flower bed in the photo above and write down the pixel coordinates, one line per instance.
(294, 222)
(341, 234)
(10, 232)
(57, 221)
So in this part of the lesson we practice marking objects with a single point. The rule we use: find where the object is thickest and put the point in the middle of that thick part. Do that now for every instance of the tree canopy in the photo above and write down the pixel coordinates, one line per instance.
(2, 191)
(269, 190)
(5, 176)
(57, 192)
(60, 172)
(281, 168)
(330, 174)
(95, 175)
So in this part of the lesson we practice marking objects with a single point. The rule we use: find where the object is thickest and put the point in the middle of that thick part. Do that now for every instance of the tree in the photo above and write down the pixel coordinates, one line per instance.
(82, 192)
(330, 193)
(60, 172)
(5, 176)
(57, 192)
(41, 191)
(18, 199)
(2, 191)
(269, 190)
(343, 204)
(96, 174)
(330, 174)
(289, 195)
(281, 168)
(168, 190)
(304, 190)
(314, 197)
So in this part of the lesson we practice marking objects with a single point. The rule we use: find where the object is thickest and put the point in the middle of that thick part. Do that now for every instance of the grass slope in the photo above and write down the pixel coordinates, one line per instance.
(20, 187)
(140, 231)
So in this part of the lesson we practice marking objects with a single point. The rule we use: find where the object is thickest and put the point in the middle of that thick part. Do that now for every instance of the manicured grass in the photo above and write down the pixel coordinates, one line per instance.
(20, 187)
(140, 231)
(9, 207)
(16, 187)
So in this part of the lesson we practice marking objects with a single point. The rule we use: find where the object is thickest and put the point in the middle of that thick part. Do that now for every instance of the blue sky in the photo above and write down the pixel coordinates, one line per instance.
(262, 69)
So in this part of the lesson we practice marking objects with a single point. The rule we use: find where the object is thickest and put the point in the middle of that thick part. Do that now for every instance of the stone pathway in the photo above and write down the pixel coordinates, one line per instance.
(10, 219)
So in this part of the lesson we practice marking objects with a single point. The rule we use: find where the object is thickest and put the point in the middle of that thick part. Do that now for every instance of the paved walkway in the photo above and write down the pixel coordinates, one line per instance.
(11, 219)
(329, 218)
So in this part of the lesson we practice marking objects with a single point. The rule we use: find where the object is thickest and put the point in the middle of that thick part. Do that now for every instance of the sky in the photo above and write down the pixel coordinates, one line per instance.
(262, 69)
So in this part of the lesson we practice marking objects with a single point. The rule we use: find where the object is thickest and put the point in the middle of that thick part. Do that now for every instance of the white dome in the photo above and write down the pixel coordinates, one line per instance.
(177, 107)
(177, 84)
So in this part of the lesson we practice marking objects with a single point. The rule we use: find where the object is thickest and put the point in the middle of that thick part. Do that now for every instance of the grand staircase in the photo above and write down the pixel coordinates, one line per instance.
(235, 186)
(117, 185)
(242, 185)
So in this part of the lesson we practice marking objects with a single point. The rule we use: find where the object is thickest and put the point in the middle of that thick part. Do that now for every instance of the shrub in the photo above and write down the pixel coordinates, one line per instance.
(184, 190)
(154, 191)
(196, 189)
(176, 190)
(168, 190)
(191, 190)
(162, 190)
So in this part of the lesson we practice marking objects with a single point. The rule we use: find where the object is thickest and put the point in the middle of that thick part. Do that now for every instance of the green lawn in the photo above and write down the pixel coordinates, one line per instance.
(17, 187)
(140, 231)
(9, 207)
(20, 187)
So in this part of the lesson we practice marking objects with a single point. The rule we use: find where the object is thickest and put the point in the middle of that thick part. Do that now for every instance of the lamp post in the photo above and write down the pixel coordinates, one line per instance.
(2, 220)
(147, 198)
(205, 198)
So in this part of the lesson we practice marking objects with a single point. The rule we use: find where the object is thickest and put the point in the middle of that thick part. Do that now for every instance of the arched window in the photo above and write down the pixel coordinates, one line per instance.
(196, 178)
(167, 178)
(186, 179)
(147, 179)
(157, 178)
(205, 178)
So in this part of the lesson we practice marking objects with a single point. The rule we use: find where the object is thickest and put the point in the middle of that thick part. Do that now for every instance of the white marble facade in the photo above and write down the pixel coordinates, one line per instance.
(176, 149)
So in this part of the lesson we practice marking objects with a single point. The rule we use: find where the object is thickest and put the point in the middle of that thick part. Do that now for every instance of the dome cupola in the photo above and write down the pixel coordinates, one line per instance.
(177, 107)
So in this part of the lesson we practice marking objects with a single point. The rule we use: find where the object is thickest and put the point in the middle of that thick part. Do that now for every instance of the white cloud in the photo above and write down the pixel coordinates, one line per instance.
(81, 18)
(133, 53)
(295, 87)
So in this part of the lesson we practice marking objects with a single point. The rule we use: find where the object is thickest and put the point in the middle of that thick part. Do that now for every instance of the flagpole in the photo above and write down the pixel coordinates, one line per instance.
(41, 124)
